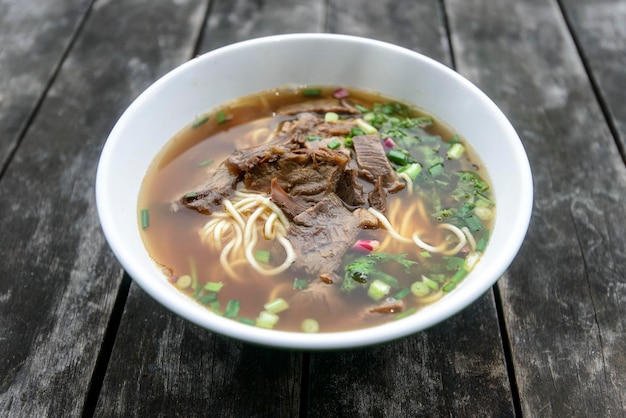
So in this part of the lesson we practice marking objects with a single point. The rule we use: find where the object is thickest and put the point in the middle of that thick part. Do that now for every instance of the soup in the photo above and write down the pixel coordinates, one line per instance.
(316, 209)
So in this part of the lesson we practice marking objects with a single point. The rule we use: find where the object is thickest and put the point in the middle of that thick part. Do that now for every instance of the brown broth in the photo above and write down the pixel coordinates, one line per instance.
(173, 241)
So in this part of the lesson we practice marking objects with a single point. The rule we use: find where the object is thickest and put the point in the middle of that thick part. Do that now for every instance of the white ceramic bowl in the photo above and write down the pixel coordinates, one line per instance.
(315, 59)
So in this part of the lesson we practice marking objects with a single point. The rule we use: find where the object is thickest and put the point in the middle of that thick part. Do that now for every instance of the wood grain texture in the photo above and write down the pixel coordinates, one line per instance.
(163, 366)
(599, 29)
(454, 369)
(35, 36)
(564, 295)
(59, 278)
(238, 20)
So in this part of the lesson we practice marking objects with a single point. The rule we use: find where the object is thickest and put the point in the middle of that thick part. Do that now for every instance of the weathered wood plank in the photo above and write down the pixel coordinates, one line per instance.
(564, 295)
(599, 29)
(454, 369)
(238, 20)
(164, 366)
(34, 35)
(59, 278)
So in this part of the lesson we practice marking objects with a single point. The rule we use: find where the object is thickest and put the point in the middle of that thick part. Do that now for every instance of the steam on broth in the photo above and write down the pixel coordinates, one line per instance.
(316, 209)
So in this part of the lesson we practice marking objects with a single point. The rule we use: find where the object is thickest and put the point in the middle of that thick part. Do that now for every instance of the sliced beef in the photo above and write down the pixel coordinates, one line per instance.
(377, 197)
(220, 185)
(365, 219)
(349, 189)
(320, 106)
(321, 235)
(304, 172)
(297, 130)
(291, 206)
(374, 164)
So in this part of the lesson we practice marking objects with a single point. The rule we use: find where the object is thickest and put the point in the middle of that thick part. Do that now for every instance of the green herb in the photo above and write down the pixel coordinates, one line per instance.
(473, 223)
(145, 218)
(459, 275)
(221, 117)
(232, 308)
(362, 268)
(213, 286)
(299, 284)
(199, 122)
(312, 92)
(402, 294)
(398, 157)
(205, 162)
(334, 144)
(406, 313)
(262, 256)
(436, 170)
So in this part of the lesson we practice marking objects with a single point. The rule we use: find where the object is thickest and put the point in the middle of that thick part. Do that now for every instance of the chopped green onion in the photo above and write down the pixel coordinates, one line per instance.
(310, 326)
(348, 142)
(378, 290)
(194, 274)
(390, 280)
(312, 92)
(145, 218)
(426, 254)
(484, 201)
(420, 289)
(331, 117)
(205, 163)
(483, 213)
(183, 282)
(402, 294)
(471, 260)
(277, 305)
(366, 127)
(191, 194)
(221, 117)
(334, 144)
(215, 306)
(458, 276)
(406, 313)
(200, 122)
(430, 283)
(473, 223)
(232, 308)
(361, 108)
(208, 298)
(436, 170)
(299, 284)
(213, 286)
(449, 287)
(455, 139)
(456, 150)
(481, 245)
(266, 320)
(262, 256)
(412, 170)
(397, 157)
(246, 321)
(369, 117)
(314, 138)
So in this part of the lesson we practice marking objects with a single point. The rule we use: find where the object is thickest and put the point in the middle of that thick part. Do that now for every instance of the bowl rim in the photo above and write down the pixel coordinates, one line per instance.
(457, 301)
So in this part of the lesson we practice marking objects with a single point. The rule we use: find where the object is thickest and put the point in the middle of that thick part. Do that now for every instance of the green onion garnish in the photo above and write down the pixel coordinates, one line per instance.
(232, 308)
(191, 194)
(366, 127)
(406, 313)
(331, 117)
(456, 150)
(266, 320)
(205, 163)
(213, 286)
(312, 92)
(208, 298)
(246, 321)
(348, 142)
(402, 294)
(221, 117)
(200, 122)
(449, 287)
(378, 290)
(145, 218)
(334, 144)
(420, 289)
(314, 138)
(412, 170)
(436, 170)
(310, 326)
(183, 282)
(277, 305)
(397, 157)
(473, 223)
(481, 245)
(299, 284)
(458, 276)
(262, 256)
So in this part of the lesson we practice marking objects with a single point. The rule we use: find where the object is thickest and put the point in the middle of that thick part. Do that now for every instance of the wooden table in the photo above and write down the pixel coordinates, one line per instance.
(78, 338)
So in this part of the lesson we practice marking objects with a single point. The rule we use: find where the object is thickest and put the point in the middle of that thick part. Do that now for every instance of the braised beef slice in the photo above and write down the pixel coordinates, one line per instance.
(349, 189)
(377, 197)
(296, 131)
(321, 235)
(291, 206)
(374, 164)
(220, 185)
(320, 106)
(304, 172)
